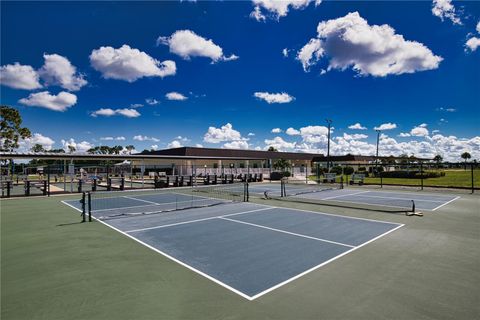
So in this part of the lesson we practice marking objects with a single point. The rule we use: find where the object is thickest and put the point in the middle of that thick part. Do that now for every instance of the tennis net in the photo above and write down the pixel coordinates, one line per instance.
(334, 195)
(118, 204)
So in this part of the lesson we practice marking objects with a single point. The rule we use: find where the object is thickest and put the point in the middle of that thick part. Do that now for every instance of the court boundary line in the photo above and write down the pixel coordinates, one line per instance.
(251, 298)
(456, 198)
(71, 206)
(364, 203)
(258, 295)
(195, 220)
(146, 201)
(288, 232)
(345, 195)
(420, 192)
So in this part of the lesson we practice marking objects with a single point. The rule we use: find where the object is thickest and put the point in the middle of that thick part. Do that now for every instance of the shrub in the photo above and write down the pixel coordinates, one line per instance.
(276, 175)
(412, 174)
(337, 170)
(348, 170)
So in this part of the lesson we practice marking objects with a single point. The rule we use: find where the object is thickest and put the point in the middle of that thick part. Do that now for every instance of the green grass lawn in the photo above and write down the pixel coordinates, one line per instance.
(452, 178)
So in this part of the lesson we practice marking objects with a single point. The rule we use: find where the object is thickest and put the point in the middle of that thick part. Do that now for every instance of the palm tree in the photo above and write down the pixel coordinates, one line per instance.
(438, 158)
(129, 148)
(466, 156)
(71, 148)
(272, 149)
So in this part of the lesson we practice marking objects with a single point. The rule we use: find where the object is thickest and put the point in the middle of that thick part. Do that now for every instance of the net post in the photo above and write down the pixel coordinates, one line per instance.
(341, 181)
(82, 201)
(9, 185)
(89, 196)
(122, 183)
(27, 187)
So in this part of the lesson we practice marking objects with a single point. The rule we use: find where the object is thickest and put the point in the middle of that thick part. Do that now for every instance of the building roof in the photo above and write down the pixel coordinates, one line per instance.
(233, 153)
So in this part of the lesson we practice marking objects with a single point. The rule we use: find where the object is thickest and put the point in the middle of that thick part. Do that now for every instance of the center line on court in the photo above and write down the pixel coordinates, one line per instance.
(287, 232)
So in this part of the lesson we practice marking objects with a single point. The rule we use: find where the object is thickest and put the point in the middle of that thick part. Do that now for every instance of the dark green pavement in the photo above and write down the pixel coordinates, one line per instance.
(55, 268)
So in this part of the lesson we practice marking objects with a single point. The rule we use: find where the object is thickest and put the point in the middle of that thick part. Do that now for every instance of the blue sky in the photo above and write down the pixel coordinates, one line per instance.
(231, 69)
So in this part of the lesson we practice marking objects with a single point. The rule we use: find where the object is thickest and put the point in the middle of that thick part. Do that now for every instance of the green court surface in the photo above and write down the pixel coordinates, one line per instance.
(54, 267)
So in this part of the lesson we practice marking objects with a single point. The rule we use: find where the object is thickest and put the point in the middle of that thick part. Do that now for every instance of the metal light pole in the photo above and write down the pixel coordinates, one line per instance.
(329, 123)
(376, 157)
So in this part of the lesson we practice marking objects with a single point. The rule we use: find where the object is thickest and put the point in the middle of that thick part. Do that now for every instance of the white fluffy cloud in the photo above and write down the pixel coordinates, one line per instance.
(154, 147)
(19, 76)
(355, 136)
(404, 134)
(473, 43)
(224, 133)
(175, 96)
(145, 138)
(129, 64)
(44, 99)
(374, 50)
(37, 138)
(187, 44)
(175, 144)
(279, 144)
(444, 9)
(238, 144)
(419, 131)
(282, 97)
(292, 132)
(80, 147)
(386, 126)
(357, 126)
(277, 9)
(108, 112)
(276, 130)
(57, 70)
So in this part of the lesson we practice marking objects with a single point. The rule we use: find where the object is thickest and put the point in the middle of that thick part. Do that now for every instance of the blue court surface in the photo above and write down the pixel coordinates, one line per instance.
(248, 248)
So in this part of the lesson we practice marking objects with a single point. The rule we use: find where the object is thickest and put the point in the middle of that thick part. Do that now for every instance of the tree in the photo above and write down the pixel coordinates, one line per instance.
(272, 149)
(466, 156)
(37, 148)
(129, 148)
(116, 149)
(71, 148)
(56, 151)
(10, 128)
(438, 158)
(281, 164)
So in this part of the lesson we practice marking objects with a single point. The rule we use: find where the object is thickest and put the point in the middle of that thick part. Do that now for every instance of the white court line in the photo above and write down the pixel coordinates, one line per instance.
(179, 262)
(321, 265)
(419, 193)
(196, 220)
(131, 198)
(287, 232)
(71, 206)
(345, 195)
(251, 298)
(446, 203)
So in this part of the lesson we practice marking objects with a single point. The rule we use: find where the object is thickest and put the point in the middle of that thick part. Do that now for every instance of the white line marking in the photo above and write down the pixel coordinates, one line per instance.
(321, 265)
(346, 195)
(131, 198)
(71, 206)
(287, 232)
(196, 220)
(179, 262)
(446, 203)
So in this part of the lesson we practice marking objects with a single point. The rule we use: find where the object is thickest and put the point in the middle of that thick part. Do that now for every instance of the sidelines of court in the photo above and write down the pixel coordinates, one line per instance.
(251, 298)
(456, 198)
